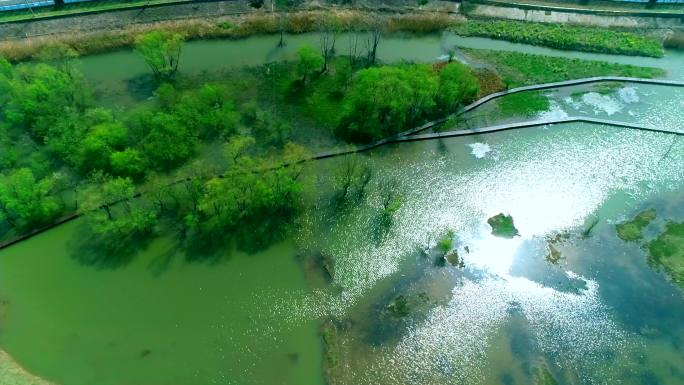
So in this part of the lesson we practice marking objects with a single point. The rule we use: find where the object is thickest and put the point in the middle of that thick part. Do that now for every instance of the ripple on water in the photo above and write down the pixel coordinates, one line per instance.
(548, 180)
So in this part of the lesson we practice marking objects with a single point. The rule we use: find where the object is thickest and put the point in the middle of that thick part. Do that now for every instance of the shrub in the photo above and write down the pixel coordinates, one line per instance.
(161, 51)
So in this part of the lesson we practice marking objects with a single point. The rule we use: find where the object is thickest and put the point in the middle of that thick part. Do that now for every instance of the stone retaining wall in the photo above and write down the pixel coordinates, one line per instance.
(598, 19)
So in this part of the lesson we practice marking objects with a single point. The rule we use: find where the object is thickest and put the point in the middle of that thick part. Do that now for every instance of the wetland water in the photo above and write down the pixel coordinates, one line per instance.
(592, 312)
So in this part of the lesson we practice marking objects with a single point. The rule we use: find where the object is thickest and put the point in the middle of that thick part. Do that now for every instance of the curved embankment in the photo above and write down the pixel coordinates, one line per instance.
(11, 373)
(411, 135)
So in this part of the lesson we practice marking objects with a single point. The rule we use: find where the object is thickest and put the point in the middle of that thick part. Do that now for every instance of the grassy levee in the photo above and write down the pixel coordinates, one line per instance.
(576, 38)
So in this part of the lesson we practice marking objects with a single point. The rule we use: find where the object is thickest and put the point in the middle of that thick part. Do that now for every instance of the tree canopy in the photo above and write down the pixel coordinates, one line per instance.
(383, 100)
(310, 61)
(26, 201)
(161, 51)
(388, 99)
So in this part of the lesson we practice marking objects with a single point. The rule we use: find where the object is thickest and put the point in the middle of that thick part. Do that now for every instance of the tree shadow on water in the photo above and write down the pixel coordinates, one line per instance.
(251, 236)
(100, 252)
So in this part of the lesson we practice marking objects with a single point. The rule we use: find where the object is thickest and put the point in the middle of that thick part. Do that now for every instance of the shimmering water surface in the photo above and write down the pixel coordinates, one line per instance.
(592, 312)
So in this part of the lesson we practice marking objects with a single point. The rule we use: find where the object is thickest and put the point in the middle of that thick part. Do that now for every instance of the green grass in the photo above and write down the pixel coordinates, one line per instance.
(632, 230)
(667, 252)
(575, 38)
(520, 69)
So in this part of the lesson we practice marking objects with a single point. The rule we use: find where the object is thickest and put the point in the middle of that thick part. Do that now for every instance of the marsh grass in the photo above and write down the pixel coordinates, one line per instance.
(576, 38)
(520, 69)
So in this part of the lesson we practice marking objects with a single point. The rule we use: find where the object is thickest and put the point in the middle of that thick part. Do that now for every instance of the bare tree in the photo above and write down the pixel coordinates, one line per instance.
(282, 24)
(372, 42)
(353, 48)
(328, 38)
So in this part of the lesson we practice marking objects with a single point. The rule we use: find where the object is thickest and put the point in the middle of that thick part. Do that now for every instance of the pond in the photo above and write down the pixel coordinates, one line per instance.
(565, 300)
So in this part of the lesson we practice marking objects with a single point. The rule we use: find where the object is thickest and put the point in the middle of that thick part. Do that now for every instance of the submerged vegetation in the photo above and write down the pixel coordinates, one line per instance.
(632, 230)
(667, 252)
(502, 226)
(577, 38)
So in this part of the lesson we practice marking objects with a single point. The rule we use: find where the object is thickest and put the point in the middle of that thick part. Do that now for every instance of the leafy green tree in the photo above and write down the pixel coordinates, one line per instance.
(269, 129)
(99, 144)
(26, 202)
(113, 213)
(168, 142)
(161, 51)
(66, 137)
(6, 76)
(310, 62)
(42, 95)
(104, 193)
(208, 113)
(252, 188)
(129, 162)
(457, 85)
(384, 100)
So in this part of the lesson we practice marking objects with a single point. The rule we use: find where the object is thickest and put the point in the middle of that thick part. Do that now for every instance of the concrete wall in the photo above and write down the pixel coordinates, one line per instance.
(552, 16)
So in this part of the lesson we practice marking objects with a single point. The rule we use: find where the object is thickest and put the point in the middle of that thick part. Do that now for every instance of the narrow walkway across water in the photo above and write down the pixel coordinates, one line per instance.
(543, 86)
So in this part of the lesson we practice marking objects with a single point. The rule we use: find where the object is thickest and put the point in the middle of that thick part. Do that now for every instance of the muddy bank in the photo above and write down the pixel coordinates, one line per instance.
(11, 373)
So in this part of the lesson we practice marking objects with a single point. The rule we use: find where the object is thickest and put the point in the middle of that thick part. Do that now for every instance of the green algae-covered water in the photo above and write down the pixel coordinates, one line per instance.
(158, 320)
(565, 302)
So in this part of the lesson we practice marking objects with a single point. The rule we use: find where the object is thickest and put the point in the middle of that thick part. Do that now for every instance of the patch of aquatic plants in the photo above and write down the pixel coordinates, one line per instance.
(553, 255)
(542, 376)
(519, 69)
(503, 226)
(632, 230)
(667, 252)
(561, 36)
(445, 250)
